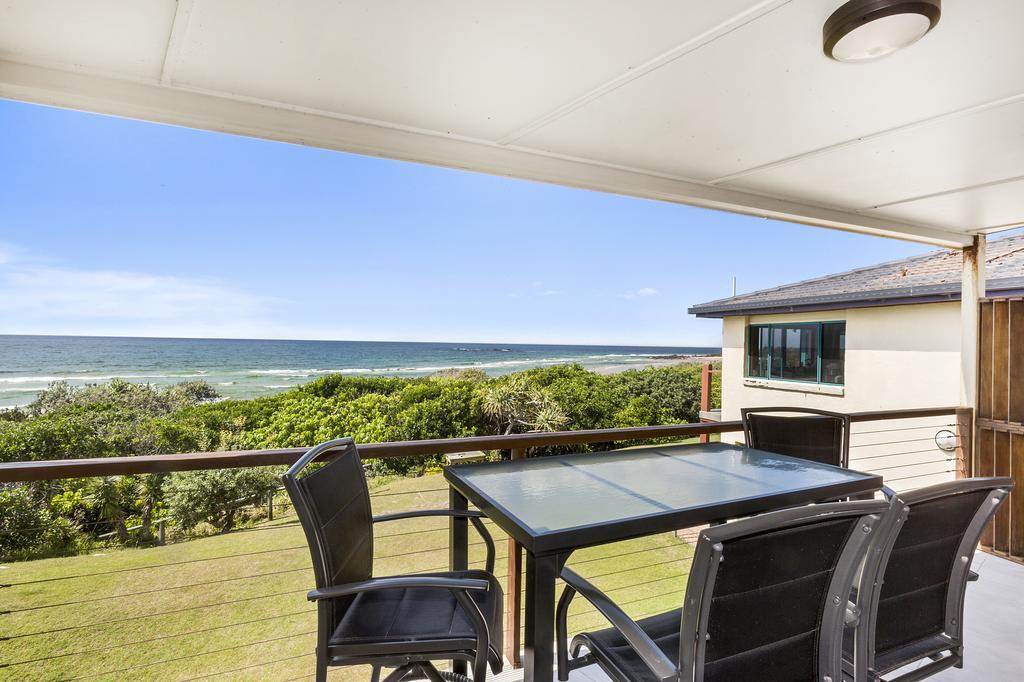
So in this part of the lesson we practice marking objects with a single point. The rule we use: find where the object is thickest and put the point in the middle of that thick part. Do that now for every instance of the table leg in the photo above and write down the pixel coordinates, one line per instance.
(458, 549)
(539, 638)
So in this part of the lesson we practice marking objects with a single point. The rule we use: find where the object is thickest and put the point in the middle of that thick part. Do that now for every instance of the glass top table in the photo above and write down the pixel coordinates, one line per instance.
(555, 505)
(552, 504)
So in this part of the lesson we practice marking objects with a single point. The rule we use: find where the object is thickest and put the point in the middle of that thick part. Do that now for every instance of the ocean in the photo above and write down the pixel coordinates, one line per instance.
(240, 368)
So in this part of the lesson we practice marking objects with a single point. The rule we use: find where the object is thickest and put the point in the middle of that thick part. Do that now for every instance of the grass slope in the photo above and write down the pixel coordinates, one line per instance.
(233, 607)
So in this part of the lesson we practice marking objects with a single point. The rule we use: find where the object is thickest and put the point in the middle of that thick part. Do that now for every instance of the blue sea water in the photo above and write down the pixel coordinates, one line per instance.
(240, 368)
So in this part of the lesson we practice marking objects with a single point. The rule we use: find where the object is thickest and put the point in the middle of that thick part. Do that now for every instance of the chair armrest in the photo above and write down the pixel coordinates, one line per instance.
(399, 582)
(474, 517)
(638, 640)
(417, 513)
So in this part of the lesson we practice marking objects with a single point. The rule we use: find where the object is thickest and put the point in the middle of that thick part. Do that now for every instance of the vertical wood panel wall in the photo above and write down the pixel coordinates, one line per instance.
(999, 449)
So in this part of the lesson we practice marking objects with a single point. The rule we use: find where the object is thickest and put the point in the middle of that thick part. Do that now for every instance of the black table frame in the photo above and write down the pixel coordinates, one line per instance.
(548, 553)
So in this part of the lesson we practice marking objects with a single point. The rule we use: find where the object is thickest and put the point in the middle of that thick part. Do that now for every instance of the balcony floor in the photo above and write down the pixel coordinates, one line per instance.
(994, 641)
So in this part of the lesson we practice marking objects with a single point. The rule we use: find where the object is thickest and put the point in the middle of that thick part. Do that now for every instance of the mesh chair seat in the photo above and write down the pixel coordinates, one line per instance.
(417, 620)
(663, 628)
(912, 653)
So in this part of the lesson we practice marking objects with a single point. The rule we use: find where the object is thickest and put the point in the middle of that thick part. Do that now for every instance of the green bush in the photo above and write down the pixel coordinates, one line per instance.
(124, 419)
(215, 496)
(28, 529)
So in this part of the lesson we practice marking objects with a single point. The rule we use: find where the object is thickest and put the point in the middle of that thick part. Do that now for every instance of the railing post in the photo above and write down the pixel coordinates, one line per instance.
(514, 593)
(270, 506)
(965, 442)
(161, 535)
(705, 393)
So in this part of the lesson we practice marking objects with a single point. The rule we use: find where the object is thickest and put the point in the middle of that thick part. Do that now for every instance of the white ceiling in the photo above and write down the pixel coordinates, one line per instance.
(727, 104)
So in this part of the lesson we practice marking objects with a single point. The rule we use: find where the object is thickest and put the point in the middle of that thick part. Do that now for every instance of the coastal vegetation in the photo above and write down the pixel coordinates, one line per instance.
(123, 419)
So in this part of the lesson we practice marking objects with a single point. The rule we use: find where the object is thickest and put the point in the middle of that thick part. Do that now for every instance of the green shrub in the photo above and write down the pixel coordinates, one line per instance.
(215, 496)
(124, 419)
(674, 389)
(30, 530)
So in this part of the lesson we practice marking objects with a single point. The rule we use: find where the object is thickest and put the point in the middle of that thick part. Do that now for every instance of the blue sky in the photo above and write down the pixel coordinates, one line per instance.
(117, 227)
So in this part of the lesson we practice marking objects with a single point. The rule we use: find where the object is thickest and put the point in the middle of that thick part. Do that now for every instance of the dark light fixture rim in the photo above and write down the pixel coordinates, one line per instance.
(856, 13)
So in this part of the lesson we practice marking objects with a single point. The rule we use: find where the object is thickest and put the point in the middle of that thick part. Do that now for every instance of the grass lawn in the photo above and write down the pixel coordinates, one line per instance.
(233, 606)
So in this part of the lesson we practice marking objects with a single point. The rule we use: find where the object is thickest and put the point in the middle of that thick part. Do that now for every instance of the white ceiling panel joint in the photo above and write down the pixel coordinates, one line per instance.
(176, 39)
(695, 43)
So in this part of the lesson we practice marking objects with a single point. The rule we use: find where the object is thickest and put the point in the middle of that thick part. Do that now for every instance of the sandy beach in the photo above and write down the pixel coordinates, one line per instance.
(665, 361)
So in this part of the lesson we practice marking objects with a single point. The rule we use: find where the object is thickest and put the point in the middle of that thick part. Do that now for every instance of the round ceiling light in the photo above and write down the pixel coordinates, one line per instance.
(862, 30)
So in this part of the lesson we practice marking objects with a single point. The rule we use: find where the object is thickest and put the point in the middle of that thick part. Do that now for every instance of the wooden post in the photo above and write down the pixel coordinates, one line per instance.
(270, 506)
(965, 441)
(972, 290)
(161, 535)
(513, 593)
(705, 393)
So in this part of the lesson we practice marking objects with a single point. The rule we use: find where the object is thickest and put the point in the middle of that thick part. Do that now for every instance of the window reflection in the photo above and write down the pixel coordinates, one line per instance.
(805, 351)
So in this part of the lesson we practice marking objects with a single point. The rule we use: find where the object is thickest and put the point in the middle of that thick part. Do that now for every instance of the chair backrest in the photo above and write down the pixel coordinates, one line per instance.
(766, 597)
(817, 435)
(917, 590)
(333, 504)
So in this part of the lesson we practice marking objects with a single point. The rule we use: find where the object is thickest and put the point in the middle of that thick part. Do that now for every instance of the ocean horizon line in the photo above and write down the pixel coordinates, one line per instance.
(588, 344)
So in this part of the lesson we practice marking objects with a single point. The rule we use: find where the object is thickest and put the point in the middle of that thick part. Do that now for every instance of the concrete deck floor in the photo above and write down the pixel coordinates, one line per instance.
(994, 629)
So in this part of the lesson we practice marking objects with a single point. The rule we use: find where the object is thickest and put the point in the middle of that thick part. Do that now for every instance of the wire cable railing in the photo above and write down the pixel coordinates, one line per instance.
(184, 610)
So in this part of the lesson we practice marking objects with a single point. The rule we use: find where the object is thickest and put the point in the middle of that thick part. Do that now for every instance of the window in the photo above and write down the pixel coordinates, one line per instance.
(800, 351)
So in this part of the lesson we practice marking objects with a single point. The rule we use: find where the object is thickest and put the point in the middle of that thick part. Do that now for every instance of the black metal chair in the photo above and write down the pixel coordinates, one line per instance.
(766, 600)
(402, 622)
(817, 435)
(913, 603)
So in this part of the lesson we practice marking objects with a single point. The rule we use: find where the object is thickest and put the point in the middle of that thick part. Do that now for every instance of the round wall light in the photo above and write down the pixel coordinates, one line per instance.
(862, 30)
(946, 440)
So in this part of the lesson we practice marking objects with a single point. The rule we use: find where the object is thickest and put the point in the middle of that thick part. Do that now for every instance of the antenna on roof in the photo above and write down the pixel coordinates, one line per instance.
(733, 286)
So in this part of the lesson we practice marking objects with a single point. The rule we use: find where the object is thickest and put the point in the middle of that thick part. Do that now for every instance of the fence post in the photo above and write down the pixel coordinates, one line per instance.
(965, 442)
(270, 506)
(514, 592)
(161, 536)
(705, 393)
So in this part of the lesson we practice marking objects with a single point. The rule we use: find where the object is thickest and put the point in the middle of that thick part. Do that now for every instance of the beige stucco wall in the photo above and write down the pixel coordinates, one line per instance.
(897, 357)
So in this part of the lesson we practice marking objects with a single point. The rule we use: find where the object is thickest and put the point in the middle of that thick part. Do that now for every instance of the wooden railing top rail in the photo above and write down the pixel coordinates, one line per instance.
(150, 464)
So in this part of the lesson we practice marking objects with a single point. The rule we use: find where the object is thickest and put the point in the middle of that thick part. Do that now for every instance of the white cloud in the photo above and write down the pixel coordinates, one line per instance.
(512, 295)
(644, 292)
(550, 292)
(8, 252)
(43, 298)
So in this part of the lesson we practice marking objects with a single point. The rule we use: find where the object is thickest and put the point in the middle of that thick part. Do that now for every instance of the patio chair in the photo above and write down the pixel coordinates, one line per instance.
(817, 435)
(402, 622)
(913, 605)
(766, 600)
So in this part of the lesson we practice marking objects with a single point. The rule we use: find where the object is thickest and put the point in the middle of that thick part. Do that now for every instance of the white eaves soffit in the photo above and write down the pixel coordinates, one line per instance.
(727, 104)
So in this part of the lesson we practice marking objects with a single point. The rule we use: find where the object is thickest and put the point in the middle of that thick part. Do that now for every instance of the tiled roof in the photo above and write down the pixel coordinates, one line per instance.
(932, 277)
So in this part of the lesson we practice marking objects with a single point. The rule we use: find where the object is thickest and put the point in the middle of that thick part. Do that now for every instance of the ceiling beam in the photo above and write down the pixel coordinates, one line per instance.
(217, 112)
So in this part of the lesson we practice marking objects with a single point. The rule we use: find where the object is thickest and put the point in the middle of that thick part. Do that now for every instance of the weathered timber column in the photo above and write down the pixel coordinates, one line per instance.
(972, 290)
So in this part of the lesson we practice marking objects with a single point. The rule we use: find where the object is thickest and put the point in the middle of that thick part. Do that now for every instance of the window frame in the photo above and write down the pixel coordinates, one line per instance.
(771, 327)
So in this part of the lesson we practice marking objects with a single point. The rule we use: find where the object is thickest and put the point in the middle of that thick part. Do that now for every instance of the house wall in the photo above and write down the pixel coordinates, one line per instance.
(897, 357)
